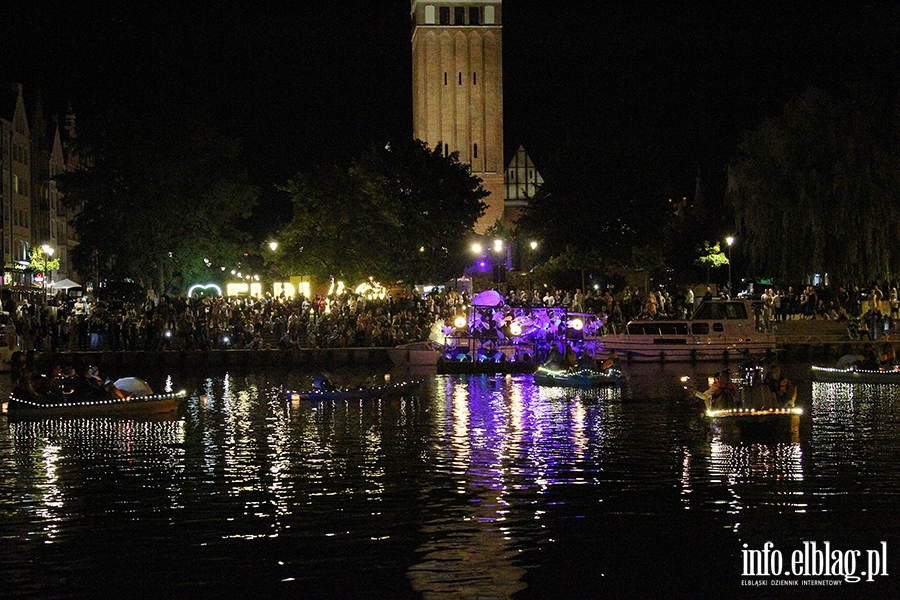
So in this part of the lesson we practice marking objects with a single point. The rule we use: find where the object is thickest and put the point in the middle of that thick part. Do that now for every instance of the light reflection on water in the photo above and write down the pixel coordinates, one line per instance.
(508, 439)
(475, 486)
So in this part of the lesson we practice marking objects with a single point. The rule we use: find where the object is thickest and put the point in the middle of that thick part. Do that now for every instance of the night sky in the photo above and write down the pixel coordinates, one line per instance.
(305, 82)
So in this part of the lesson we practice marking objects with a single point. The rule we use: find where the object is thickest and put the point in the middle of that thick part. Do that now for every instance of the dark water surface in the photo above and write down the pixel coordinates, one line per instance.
(474, 487)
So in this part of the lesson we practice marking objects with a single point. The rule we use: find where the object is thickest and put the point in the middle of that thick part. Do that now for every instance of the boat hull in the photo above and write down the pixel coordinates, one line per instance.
(852, 375)
(580, 379)
(19, 408)
(643, 349)
(756, 422)
(418, 354)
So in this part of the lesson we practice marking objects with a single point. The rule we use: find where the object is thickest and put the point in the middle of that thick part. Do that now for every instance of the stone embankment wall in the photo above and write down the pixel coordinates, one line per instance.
(298, 358)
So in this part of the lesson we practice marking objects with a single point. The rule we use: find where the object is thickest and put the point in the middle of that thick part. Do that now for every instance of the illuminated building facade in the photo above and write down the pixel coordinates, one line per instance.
(457, 70)
(522, 183)
(32, 153)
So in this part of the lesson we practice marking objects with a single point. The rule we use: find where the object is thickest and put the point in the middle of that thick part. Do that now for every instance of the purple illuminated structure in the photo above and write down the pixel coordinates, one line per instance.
(494, 332)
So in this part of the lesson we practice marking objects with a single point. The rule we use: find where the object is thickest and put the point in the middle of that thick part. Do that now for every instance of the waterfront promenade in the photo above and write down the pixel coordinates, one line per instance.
(797, 340)
(216, 359)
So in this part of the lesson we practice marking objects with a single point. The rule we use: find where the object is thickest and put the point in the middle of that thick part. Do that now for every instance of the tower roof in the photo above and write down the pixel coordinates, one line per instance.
(9, 97)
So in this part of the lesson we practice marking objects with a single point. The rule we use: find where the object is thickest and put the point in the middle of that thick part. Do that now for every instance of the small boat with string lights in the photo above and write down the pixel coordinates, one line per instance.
(130, 397)
(580, 378)
(771, 420)
(751, 403)
(365, 392)
(855, 374)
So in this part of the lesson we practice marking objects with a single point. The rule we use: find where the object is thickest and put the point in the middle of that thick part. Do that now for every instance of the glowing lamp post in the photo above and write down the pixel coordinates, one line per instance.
(729, 240)
(478, 251)
(502, 254)
(533, 246)
(48, 252)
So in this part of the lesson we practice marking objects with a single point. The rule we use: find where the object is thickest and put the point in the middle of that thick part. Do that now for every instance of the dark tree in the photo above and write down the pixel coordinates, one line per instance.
(815, 190)
(603, 202)
(403, 212)
(156, 196)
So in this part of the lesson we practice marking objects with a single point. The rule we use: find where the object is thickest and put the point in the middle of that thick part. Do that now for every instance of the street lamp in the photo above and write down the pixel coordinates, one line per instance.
(533, 245)
(729, 240)
(48, 251)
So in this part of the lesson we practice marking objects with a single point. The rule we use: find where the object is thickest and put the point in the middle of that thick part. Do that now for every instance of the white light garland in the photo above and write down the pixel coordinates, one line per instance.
(752, 412)
(83, 403)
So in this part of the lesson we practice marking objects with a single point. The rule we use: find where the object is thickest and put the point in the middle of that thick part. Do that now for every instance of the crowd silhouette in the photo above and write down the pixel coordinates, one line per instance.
(171, 322)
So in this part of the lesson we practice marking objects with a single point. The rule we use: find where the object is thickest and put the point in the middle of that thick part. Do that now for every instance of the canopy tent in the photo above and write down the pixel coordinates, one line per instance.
(65, 284)
(488, 298)
(134, 386)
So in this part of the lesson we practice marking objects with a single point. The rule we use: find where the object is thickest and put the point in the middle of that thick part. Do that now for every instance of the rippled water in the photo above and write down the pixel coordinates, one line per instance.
(473, 487)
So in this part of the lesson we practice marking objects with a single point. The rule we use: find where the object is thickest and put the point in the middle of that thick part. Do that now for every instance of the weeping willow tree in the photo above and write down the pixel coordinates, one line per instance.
(816, 190)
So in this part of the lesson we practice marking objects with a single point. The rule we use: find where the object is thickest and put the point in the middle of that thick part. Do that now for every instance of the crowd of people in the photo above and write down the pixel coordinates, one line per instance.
(204, 323)
(869, 311)
(171, 322)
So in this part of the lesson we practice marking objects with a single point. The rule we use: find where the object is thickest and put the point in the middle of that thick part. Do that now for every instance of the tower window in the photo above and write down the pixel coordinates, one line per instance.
(429, 15)
(460, 78)
(445, 78)
(445, 15)
(459, 15)
(474, 150)
(474, 78)
(474, 16)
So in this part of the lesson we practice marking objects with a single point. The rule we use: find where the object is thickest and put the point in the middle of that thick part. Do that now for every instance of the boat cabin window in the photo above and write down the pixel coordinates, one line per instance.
(718, 327)
(710, 311)
(657, 328)
(700, 328)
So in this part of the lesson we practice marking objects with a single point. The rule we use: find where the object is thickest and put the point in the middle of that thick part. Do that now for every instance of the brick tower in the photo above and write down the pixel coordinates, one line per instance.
(457, 69)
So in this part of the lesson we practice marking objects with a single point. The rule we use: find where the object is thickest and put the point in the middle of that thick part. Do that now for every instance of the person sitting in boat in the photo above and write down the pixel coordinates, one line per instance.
(91, 384)
(323, 383)
(46, 383)
(849, 360)
(721, 394)
(26, 385)
(369, 381)
(869, 361)
(886, 357)
(611, 362)
(554, 360)
(571, 359)
(783, 388)
(587, 361)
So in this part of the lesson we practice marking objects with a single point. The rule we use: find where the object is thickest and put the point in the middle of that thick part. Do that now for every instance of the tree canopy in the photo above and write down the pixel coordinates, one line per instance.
(814, 190)
(157, 196)
(602, 205)
(42, 262)
(399, 213)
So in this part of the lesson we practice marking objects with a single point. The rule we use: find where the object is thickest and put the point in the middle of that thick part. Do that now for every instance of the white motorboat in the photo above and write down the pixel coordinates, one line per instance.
(720, 330)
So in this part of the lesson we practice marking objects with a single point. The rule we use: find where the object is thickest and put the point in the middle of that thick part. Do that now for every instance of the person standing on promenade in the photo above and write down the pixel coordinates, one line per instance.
(875, 297)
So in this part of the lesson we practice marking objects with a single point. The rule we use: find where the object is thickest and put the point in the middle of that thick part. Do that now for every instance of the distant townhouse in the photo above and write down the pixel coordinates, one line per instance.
(32, 153)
